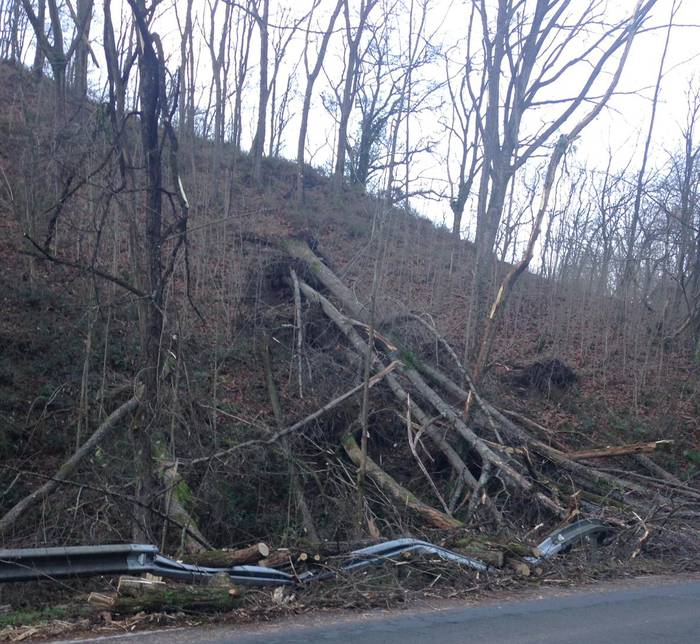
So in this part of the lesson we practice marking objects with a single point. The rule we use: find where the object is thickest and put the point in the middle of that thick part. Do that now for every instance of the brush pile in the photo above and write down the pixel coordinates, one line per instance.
(508, 471)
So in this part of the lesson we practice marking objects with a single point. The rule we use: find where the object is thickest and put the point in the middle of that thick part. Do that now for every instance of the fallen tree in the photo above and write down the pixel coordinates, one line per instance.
(502, 452)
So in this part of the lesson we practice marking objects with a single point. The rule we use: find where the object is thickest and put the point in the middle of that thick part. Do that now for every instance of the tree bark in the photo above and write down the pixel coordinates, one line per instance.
(224, 558)
(401, 494)
(264, 92)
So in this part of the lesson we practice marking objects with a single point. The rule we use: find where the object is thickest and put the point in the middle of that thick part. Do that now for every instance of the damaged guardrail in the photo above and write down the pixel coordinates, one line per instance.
(562, 539)
(34, 564)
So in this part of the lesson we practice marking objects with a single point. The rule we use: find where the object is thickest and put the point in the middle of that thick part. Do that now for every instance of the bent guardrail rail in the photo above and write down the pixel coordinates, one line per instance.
(32, 564)
(566, 537)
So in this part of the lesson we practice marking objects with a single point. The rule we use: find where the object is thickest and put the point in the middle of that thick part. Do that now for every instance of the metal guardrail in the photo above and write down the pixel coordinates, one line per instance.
(32, 564)
(37, 563)
(561, 540)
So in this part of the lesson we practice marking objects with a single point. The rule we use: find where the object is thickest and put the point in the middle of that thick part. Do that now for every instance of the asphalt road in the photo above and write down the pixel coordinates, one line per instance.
(666, 613)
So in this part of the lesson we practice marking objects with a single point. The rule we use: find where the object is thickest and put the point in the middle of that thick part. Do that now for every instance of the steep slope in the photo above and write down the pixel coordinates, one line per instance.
(69, 352)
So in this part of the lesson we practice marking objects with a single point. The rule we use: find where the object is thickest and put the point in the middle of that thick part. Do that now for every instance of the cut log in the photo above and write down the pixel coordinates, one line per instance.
(101, 601)
(179, 598)
(508, 549)
(221, 580)
(135, 586)
(224, 558)
(521, 569)
(396, 490)
(279, 557)
(491, 557)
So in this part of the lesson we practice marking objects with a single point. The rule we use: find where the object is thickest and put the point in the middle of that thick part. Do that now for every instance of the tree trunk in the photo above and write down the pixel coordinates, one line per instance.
(264, 93)
(308, 93)
(80, 71)
(388, 484)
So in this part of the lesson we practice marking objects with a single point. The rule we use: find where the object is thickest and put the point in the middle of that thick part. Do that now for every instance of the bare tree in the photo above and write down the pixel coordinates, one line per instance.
(13, 25)
(82, 18)
(51, 43)
(627, 274)
(311, 76)
(526, 51)
(186, 73)
(353, 38)
(565, 140)
(258, 147)
(218, 52)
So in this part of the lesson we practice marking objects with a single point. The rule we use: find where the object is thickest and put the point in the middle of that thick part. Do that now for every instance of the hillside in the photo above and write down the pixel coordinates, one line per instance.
(70, 355)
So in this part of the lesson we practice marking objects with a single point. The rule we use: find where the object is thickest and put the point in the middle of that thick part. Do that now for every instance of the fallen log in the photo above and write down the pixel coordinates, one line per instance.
(224, 558)
(509, 468)
(101, 434)
(360, 346)
(655, 468)
(401, 394)
(395, 489)
(170, 599)
(515, 457)
(298, 425)
(129, 586)
(587, 476)
(301, 251)
(621, 450)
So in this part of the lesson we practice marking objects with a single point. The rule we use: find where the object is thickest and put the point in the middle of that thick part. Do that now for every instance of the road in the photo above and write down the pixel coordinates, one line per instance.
(648, 612)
